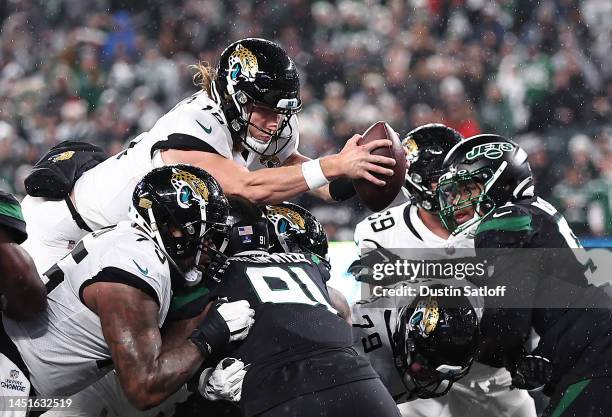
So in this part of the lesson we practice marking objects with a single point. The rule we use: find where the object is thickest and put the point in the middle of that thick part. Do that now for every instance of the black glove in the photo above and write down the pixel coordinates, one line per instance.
(225, 322)
(341, 189)
(532, 372)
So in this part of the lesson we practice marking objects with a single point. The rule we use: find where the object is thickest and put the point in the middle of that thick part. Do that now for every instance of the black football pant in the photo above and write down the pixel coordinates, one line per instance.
(587, 398)
(366, 398)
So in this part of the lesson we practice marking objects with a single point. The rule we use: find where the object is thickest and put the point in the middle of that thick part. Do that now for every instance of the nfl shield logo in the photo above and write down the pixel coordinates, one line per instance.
(14, 374)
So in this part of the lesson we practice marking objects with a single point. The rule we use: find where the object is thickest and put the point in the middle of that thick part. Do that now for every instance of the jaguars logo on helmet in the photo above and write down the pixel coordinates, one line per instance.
(257, 72)
(242, 63)
(186, 199)
(425, 317)
(297, 230)
(188, 185)
(426, 146)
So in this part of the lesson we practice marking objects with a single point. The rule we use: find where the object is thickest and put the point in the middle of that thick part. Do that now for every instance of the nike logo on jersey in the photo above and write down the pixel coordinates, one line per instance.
(206, 129)
(496, 215)
(143, 271)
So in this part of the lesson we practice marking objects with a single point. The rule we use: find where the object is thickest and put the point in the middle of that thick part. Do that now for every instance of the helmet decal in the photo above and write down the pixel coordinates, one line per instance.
(493, 150)
(412, 149)
(188, 185)
(242, 62)
(145, 203)
(425, 317)
(276, 214)
(64, 156)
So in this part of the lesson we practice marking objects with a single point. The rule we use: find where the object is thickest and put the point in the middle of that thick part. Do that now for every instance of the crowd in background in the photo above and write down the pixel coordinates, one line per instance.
(540, 72)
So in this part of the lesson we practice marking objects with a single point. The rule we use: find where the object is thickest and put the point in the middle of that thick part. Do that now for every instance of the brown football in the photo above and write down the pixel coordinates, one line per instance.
(374, 197)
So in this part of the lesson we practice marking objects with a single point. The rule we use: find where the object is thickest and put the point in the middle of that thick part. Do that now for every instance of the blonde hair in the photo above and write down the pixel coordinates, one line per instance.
(204, 76)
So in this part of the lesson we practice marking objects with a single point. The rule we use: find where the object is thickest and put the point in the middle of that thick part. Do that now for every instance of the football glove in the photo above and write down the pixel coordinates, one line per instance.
(224, 323)
(532, 372)
(223, 382)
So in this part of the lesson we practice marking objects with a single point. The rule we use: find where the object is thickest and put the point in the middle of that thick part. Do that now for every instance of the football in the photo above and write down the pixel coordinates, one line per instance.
(373, 196)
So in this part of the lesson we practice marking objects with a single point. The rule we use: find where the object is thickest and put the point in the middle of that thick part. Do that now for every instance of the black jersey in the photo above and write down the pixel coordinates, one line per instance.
(574, 337)
(298, 344)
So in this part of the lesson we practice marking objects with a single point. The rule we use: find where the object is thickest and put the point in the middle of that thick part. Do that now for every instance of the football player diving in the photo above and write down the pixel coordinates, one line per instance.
(488, 186)
(108, 298)
(299, 359)
(241, 123)
(415, 228)
(22, 296)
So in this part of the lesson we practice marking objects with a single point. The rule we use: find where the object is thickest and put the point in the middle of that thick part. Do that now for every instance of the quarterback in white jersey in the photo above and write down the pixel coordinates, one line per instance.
(243, 121)
(415, 225)
(109, 297)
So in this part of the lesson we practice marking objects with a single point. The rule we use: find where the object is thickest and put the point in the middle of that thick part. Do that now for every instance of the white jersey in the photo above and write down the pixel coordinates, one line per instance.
(484, 391)
(400, 227)
(64, 347)
(375, 321)
(103, 194)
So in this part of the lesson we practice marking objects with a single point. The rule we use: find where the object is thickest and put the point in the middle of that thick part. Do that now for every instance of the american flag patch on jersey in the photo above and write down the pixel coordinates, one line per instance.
(245, 230)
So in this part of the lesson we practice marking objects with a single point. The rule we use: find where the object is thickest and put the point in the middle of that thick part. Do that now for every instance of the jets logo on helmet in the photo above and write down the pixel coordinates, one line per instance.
(490, 150)
(242, 63)
(480, 174)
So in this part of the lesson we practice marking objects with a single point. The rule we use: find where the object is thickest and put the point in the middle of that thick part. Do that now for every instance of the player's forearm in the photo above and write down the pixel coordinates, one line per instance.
(23, 291)
(171, 370)
(274, 185)
(321, 192)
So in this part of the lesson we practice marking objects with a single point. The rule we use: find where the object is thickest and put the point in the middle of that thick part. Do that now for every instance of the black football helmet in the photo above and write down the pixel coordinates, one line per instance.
(435, 343)
(248, 227)
(426, 147)
(181, 206)
(483, 172)
(297, 230)
(257, 72)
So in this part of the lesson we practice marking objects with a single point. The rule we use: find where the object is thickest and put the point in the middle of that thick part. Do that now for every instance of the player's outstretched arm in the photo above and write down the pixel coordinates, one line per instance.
(149, 370)
(23, 292)
(273, 185)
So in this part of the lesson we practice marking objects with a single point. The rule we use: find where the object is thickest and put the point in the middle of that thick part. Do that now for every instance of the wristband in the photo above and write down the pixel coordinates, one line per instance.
(341, 189)
(313, 174)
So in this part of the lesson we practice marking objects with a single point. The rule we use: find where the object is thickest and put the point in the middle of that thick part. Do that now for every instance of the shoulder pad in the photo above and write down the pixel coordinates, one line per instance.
(509, 218)
(509, 226)
(198, 123)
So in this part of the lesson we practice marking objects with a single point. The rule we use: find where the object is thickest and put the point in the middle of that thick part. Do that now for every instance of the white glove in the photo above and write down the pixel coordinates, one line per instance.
(223, 383)
(238, 316)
